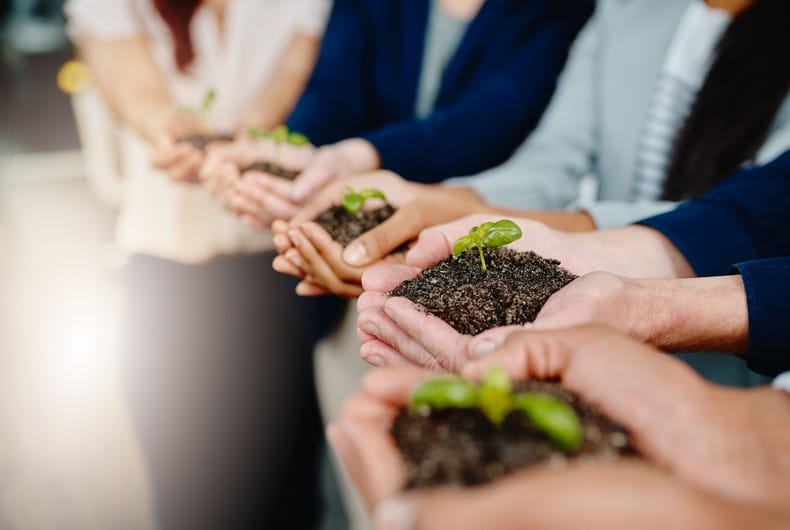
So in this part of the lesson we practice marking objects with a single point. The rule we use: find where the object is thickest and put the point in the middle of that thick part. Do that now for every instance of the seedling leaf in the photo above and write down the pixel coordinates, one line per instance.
(555, 418)
(444, 392)
(488, 235)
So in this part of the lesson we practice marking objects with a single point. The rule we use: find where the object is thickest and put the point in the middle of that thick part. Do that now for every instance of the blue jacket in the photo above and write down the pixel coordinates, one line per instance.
(492, 93)
(744, 221)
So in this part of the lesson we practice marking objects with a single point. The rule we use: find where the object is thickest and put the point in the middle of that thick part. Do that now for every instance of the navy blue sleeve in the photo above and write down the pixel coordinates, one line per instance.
(746, 217)
(767, 284)
(332, 106)
(483, 128)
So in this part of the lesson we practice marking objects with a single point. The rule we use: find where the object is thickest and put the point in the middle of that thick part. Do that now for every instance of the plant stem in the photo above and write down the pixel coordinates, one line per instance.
(482, 257)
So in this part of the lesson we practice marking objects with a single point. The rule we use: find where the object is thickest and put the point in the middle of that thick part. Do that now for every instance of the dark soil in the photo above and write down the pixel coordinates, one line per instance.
(200, 141)
(461, 446)
(471, 300)
(267, 167)
(345, 227)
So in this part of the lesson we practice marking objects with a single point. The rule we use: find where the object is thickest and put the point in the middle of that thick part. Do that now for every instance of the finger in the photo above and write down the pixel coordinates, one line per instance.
(167, 155)
(404, 225)
(371, 300)
(280, 226)
(306, 288)
(281, 264)
(394, 385)
(446, 345)
(275, 206)
(431, 247)
(276, 185)
(253, 221)
(316, 269)
(281, 243)
(186, 168)
(376, 353)
(377, 324)
(489, 340)
(331, 252)
(385, 278)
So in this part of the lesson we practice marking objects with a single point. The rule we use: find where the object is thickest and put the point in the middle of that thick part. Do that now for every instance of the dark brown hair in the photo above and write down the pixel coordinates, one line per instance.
(178, 14)
(747, 83)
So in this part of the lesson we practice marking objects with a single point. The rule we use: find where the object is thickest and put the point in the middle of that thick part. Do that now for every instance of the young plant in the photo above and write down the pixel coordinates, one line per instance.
(353, 201)
(279, 135)
(487, 235)
(495, 398)
(209, 98)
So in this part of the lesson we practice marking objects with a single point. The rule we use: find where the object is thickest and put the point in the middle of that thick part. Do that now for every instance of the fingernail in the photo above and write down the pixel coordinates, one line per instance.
(355, 254)
(374, 360)
(395, 514)
(484, 347)
(371, 329)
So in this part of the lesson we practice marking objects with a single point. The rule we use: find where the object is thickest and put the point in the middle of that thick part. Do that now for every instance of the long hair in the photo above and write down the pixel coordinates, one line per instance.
(178, 14)
(748, 80)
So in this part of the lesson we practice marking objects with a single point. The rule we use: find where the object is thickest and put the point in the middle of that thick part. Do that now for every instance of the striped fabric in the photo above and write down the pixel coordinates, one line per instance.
(671, 105)
(686, 66)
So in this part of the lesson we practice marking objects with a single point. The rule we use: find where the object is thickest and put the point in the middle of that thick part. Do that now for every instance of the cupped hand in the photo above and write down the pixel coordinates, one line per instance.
(730, 442)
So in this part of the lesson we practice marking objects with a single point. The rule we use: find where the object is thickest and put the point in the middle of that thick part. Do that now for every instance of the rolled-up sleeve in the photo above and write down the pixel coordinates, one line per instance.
(767, 285)
(114, 19)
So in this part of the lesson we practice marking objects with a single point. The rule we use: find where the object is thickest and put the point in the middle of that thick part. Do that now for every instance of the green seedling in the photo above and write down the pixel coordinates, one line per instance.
(487, 235)
(494, 396)
(209, 98)
(445, 392)
(555, 418)
(279, 135)
(353, 201)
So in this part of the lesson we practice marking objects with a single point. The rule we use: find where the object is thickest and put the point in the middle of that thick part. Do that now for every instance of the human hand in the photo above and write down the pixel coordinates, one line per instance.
(732, 443)
(606, 495)
(181, 160)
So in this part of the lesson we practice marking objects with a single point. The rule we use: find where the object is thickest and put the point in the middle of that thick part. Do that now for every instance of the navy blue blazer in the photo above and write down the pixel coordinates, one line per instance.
(491, 96)
(740, 226)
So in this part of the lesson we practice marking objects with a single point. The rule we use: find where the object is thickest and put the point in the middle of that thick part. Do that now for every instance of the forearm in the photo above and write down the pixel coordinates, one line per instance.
(285, 84)
(130, 83)
(698, 314)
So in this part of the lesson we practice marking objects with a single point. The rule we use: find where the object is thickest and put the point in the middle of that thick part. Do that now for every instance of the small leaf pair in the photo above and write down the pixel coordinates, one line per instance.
(487, 235)
(353, 201)
(279, 135)
(550, 415)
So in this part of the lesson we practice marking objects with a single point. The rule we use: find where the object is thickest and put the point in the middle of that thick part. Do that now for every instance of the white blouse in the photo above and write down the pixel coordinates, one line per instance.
(176, 221)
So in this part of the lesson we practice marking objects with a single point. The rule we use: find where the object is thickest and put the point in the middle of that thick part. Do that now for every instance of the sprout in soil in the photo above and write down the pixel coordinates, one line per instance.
(353, 201)
(495, 398)
(487, 235)
(205, 106)
(279, 135)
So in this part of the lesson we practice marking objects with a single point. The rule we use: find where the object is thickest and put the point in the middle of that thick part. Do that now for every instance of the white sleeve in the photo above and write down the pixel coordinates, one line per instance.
(105, 19)
(311, 16)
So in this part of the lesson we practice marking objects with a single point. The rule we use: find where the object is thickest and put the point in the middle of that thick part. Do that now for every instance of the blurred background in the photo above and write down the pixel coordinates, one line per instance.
(67, 455)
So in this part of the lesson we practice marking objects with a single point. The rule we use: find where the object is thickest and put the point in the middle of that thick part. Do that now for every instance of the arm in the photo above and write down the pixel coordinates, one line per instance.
(744, 218)
(333, 104)
(286, 83)
(483, 128)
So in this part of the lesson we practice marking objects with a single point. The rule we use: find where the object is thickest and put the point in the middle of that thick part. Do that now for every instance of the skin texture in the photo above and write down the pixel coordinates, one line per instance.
(393, 328)
(732, 472)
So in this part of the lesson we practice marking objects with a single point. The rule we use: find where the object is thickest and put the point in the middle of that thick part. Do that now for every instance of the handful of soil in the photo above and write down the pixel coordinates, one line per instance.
(268, 167)
(471, 300)
(345, 227)
(200, 141)
(462, 446)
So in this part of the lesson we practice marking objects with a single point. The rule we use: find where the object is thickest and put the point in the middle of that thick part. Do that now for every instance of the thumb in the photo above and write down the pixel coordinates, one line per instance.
(312, 179)
(378, 242)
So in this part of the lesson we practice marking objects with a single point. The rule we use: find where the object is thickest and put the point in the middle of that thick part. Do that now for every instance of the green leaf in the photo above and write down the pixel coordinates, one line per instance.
(445, 392)
(298, 139)
(279, 134)
(500, 233)
(461, 244)
(552, 416)
(208, 100)
(495, 395)
(371, 193)
(257, 132)
(352, 202)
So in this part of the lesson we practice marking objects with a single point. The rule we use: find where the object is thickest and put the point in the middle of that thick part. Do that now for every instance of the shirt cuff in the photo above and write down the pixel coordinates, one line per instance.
(767, 285)
(709, 238)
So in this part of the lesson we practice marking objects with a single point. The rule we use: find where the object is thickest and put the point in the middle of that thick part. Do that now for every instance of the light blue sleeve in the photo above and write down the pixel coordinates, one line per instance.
(544, 173)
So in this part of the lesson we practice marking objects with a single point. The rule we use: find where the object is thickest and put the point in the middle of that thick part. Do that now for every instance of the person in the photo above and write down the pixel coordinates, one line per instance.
(402, 85)
(713, 457)
(649, 111)
(740, 223)
(211, 361)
